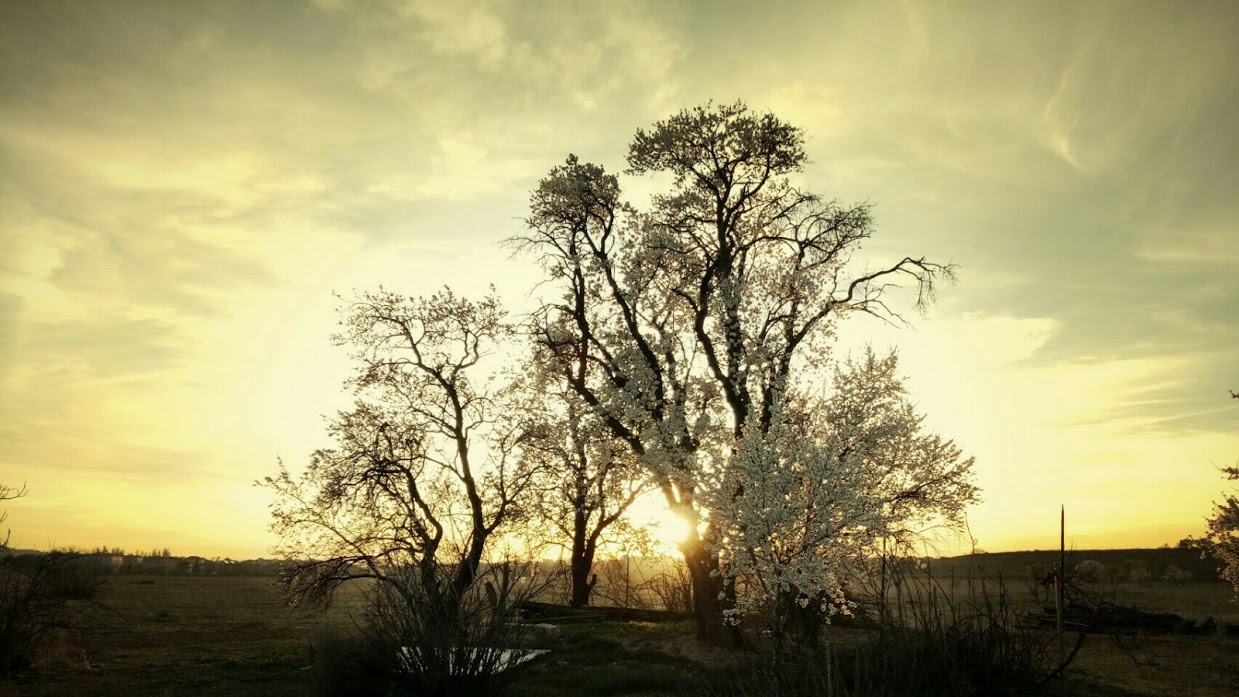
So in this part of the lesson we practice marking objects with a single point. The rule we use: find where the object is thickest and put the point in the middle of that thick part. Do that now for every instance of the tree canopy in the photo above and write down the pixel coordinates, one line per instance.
(696, 326)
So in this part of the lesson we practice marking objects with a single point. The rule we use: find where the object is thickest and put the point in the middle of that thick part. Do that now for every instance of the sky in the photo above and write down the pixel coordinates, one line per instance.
(185, 186)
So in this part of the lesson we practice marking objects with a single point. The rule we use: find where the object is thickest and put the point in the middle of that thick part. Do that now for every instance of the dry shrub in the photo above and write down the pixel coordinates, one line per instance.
(44, 599)
(673, 586)
(420, 638)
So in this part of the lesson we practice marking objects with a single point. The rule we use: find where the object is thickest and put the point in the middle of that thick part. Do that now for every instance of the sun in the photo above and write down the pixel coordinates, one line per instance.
(666, 529)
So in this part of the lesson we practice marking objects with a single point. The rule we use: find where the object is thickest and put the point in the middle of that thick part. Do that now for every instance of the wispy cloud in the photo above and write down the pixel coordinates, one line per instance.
(183, 185)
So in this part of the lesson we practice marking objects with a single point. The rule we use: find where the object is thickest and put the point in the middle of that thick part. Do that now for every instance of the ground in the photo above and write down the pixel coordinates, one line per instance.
(181, 635)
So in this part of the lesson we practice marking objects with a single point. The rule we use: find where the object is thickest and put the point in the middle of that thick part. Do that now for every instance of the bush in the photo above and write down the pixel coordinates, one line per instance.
(43, 598)
(672, 586)
(417, 637)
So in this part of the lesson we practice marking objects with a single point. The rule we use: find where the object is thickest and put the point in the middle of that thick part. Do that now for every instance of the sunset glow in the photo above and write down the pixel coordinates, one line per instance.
(184, 190)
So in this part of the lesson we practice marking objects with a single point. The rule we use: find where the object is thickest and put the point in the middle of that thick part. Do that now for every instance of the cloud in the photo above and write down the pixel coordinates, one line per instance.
(183, 185)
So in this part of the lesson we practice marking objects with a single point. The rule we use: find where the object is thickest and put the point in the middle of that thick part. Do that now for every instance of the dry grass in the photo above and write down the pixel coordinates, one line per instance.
(188, 635)
(1206, 595)
(233, 636)
(1181, 666)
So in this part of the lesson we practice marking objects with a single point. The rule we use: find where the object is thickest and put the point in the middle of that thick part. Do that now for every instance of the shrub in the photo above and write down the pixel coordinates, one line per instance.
(672, 586)
(419, 638)
(43, 597)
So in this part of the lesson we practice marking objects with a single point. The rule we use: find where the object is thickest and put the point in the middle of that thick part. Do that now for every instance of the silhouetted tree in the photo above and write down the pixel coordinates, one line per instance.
(589, 478)
(1222, 537)
(688, 327)
(426, 468)
(8, 493)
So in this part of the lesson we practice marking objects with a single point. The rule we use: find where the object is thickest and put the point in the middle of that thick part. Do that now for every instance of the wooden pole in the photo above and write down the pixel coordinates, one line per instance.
(1061, 588)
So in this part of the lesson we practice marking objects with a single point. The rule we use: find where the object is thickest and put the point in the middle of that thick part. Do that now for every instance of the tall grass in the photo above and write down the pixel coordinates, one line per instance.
(921, 639)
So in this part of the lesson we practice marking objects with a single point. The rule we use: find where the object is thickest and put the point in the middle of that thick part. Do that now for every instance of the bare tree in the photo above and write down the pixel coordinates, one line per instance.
(8, 493)
(426, 468)
(682, 327)
(590, 478)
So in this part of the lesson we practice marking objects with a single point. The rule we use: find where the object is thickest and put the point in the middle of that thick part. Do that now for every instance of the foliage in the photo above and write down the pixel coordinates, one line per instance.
(688, 328)
(1223, 532)
(927, 641)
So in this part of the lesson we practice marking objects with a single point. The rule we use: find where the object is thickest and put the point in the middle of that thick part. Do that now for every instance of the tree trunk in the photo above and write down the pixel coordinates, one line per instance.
(583, 549)
(711, 596)
(582, 587)
(582, 583)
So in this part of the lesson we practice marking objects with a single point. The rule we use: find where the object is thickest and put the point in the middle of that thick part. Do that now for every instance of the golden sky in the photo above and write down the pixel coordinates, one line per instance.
(184, 185)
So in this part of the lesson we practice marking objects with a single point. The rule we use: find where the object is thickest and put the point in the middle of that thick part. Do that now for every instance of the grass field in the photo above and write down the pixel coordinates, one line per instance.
(232, 636)
(1203, 596)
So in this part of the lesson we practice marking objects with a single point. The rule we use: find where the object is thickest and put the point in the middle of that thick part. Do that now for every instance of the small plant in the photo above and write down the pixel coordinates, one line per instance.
(933, 637)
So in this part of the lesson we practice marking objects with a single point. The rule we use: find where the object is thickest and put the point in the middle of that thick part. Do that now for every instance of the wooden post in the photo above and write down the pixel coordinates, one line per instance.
(1061, 582)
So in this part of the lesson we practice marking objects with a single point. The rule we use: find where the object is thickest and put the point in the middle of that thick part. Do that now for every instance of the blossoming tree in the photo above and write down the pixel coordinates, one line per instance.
(834, 474)
(692, 323)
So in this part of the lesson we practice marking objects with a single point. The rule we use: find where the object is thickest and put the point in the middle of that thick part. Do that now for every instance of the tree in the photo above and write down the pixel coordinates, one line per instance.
(8, 493)
(834, 474)
(1222, 538)
(590, 478)
(426, 468)
(686, 327)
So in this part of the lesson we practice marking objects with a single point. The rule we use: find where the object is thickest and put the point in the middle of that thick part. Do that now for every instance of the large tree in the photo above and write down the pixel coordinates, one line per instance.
(685, 327)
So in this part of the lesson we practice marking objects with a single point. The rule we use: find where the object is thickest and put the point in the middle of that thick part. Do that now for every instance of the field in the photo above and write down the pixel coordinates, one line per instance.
(1204, 595)
(185, 635)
